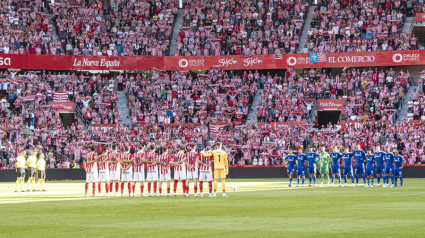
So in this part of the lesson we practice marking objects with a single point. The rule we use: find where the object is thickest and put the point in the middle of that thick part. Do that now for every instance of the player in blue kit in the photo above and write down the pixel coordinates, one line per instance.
(336, 166)
(399, 163)
(290, 165)
(370, 159)
(389, 159)
(359, 158)
(301, 159)
(312, 159)
(379, 160)
(348, 166)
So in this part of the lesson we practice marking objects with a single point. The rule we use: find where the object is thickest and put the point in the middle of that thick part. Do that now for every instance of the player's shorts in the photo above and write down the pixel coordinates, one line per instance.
(219, 174)
(301, 172)
(311, 170)
(380, 170)
(389, 170)
(114, 175)
(398, 172)
(369, 171)
(205, 176)
(192, 174)
(127, 176)
(336, 170)
(91, 177)
(139, 176)
(348, 171)
(32, 172)
(41, 174)
(165, 177)
(179, 175)
(104, 176)
(21, 172)
(324, 170)
(289, 170)
(360, 170)
(152, 176)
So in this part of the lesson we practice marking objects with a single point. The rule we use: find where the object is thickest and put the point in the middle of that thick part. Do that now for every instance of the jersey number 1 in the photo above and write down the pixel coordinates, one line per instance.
(219, 158)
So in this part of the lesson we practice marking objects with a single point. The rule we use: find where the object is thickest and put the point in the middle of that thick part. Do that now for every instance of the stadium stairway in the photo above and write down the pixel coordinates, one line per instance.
(252, 116)
(404, 108)
(407, 27)
(307, 26)
(122, 105)
(176, 30)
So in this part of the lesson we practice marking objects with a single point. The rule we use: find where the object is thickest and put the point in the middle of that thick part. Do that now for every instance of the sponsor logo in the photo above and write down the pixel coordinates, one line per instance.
(4, 61)
(352, 59)
(96, 63)
(397, 58)
(183, 63)
(291, 61)
(251, 61)
(330, 104)
(227, 62)
(61, 106)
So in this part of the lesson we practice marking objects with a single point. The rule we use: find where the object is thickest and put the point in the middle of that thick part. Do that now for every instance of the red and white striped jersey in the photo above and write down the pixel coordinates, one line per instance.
(152, 156)
(125, 156)
(206, 160)
(104, 166)
(91, 167)
(164, 158)
(192, 160)
(114, 156)
(177, 158)
(139, 156)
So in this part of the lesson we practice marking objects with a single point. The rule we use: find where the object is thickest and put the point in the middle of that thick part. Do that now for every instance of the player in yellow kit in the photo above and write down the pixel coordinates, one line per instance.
(41, 172)
(31, 164)
(221, 167)
(20, 170)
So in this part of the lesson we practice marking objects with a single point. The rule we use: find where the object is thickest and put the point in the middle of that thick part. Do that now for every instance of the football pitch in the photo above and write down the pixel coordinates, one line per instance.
(259, 208)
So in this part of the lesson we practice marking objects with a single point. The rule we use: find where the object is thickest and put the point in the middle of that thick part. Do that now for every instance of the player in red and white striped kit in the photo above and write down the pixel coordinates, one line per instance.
(139, 169)
(104, 173)
(152, 176)
(164, 161)
(180, 170)
(126, 162)
(192, 169)
(114, 168)
(205, 173)
(90, 165)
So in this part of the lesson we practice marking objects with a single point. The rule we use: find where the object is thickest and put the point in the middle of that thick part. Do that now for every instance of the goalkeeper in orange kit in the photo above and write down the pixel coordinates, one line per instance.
(221, 166)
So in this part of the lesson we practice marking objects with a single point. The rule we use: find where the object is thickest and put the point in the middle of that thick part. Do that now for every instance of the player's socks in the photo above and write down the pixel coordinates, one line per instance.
(141, 189)
(378, 178)
(215, 186)
(357, 179)
(290, 181)
(345, 179)
(122, 188)
(309, 179)
(160, 190)
(154, 187)
(134, 188)
(392, 180)
(201, 184)
(39, 185)
(364, 179)
(107, 188)
(195, 189)
(87, 188)
(333, 179)
(339, 179)
(129, 188)
(210, 186)
(223, 185)
(372, 180)
(352, 179)
(401, 181)
(395, 181)
(149, 188)
(16, 185)
(368, 181)
(314, 179)
(99, 187)
(328, 179)
(110, 185)
(175, 185)
(22, 185)
(94, 189)
(116, 187)
(168, 190)
(42, 185)
(28, 185)
(184, 186)
(303, 180)
(298, 181)
(33, 184)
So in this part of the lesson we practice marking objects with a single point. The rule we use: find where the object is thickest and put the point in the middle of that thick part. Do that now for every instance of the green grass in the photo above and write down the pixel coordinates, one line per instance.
(260, 208)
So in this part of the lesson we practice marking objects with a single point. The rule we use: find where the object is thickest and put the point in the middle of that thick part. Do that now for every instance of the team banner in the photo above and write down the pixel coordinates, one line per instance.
(63, 107)
(235, 62)
(330, 104)
(420, 17)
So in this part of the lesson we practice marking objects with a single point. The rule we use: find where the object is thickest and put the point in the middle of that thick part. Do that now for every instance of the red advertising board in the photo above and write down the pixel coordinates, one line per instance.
(63, 107)
(327, 60)
(330, 104)
(420, 17)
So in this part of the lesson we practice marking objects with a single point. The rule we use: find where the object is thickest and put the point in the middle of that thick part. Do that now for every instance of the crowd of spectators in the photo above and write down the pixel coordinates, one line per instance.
(360, 26)
(215, 27)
